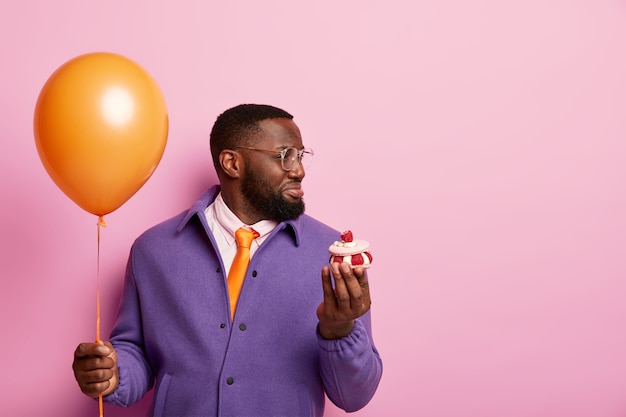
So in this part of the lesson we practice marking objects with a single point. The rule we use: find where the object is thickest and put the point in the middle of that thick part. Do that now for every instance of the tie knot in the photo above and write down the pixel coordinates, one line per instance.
(244, 237)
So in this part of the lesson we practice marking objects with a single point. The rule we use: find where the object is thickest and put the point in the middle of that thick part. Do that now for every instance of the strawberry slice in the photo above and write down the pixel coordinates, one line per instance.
(357, 259)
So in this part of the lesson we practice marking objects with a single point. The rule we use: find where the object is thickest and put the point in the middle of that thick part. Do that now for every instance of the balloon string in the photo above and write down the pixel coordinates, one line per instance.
(101, 223)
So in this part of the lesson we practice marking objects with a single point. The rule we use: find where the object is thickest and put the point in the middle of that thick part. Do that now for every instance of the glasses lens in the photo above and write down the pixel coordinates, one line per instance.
(306, 158)
(291, 157)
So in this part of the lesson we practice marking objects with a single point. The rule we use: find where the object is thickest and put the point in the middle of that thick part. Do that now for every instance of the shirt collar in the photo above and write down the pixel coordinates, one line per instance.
(229, 223)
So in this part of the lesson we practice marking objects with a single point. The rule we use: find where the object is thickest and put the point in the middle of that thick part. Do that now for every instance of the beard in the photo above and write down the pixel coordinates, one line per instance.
(264, 199)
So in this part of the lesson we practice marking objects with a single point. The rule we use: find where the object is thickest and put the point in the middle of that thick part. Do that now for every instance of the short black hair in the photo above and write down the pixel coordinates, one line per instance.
(235, 126)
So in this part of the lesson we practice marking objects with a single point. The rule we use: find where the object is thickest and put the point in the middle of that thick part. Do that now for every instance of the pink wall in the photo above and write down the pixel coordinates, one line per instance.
(482, 147)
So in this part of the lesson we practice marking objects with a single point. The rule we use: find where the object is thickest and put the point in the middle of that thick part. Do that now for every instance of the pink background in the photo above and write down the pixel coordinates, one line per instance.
(481, 147)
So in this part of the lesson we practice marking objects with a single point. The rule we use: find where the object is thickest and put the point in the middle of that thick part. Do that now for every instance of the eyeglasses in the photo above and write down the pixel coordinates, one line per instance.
(288, 156)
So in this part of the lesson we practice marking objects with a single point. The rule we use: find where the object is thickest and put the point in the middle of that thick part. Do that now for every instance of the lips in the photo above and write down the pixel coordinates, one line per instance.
(294, 190)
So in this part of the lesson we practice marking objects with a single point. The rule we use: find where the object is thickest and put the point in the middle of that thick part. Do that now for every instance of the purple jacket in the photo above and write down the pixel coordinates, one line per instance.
(174, 327)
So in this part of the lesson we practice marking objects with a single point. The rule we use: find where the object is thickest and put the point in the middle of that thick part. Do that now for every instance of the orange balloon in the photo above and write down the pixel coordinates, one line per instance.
(100, 128)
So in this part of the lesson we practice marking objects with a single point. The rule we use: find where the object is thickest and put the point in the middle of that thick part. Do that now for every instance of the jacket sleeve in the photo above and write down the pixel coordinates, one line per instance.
(351, 367)
(136, 376)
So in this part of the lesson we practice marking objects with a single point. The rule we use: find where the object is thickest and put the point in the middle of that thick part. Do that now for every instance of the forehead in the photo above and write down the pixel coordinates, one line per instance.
(278, 133)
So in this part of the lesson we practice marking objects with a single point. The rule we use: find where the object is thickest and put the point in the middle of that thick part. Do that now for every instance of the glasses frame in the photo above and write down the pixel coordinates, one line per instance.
(283, 154)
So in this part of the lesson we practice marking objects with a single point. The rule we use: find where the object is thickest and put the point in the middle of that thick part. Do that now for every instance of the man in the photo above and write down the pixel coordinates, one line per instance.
(292, 338)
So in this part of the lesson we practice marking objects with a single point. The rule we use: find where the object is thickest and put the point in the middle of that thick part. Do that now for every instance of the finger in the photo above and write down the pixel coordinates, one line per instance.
(361, 276)
(93, 370)
(85, 350)
(349, 276)
(97, 375)
(327, 285)
(353, 286)
(94, 364)
(341, 290)
(94, 389)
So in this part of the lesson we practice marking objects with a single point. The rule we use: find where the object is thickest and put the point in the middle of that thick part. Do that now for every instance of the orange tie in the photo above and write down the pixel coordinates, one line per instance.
(239, 267)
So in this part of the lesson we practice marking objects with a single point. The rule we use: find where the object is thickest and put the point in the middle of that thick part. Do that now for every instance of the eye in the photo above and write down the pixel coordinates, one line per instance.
(291, 154)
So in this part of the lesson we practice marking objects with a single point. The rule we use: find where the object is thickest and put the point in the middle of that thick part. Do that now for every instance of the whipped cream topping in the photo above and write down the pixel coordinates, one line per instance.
(343, 244)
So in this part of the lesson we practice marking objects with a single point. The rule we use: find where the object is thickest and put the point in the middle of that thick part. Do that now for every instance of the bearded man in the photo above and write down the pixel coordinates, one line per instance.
(297, 330)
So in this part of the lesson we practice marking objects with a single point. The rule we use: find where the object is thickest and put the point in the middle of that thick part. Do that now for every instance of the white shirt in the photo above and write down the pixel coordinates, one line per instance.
(223, 224)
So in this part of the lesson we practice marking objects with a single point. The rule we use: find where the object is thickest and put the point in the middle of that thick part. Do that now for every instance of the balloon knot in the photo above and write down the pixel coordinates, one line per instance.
(101, 221)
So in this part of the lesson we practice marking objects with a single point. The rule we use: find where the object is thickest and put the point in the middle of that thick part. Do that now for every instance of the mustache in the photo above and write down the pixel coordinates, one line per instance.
(291, 183)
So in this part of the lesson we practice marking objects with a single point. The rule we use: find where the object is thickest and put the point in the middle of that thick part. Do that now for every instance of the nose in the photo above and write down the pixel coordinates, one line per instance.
(297, 172)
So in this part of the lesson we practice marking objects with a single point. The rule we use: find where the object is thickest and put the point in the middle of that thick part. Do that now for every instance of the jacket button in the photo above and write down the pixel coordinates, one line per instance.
(242, 327)
(218, 270)
(222, 326)
(254, 273)
(230, 380)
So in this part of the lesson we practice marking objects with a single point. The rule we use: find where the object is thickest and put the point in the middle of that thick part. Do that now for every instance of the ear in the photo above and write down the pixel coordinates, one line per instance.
(231, 163)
